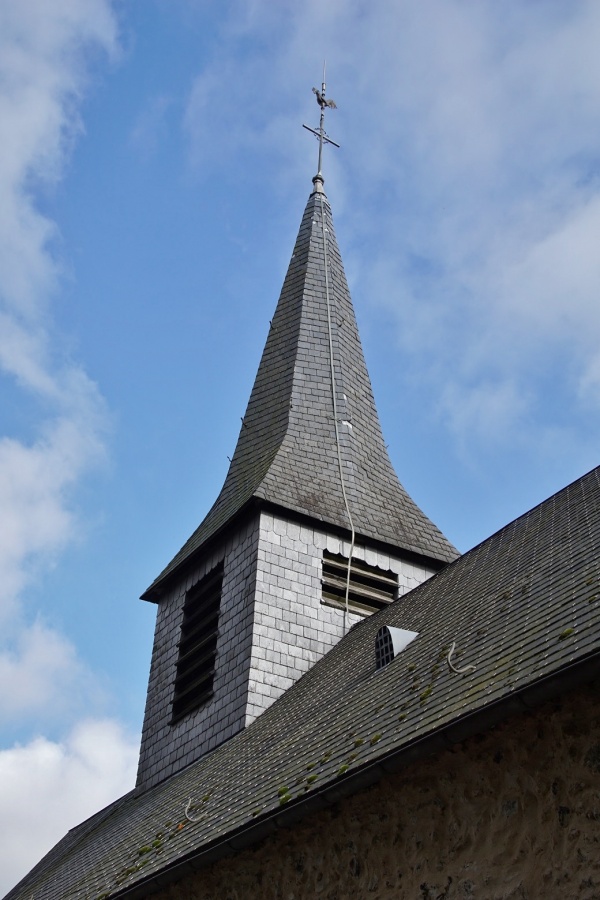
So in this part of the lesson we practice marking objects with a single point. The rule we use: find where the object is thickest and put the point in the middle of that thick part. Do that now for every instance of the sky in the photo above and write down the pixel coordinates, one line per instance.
(153, 176)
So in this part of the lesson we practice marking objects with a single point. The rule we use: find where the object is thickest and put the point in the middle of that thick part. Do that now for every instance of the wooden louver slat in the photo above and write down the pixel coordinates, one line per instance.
(370, 588)
(198, 645)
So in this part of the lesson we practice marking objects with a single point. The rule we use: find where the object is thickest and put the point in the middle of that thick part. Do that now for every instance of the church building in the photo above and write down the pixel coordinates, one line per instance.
(258, 593)
(339, 705)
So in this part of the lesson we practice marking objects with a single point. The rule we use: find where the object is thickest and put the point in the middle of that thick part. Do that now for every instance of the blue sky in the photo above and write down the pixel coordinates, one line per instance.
(153, 176)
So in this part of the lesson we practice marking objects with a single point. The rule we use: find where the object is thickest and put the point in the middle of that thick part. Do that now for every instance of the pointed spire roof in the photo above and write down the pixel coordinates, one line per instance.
(287, 450)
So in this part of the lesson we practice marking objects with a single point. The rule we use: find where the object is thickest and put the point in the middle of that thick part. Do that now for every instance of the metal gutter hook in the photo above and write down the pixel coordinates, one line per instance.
(462, 671)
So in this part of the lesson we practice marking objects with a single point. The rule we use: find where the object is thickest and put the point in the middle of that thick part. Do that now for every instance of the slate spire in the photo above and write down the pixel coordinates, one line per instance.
(287, 450)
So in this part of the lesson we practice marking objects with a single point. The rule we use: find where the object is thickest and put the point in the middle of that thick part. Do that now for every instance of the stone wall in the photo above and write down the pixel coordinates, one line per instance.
(511, 814)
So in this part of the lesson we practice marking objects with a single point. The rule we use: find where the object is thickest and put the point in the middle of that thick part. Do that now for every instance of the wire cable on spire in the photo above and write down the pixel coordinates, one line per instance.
(318, 181)
(335, 417)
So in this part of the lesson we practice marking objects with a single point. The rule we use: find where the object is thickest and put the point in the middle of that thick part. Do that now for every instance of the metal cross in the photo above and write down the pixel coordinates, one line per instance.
(320, 132)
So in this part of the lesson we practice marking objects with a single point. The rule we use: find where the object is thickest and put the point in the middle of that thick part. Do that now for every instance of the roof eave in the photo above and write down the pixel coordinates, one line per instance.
(159, 588)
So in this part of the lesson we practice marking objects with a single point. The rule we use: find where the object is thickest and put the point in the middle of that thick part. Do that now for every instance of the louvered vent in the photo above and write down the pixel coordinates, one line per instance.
(370, 588)
(389, 642)
(198, 644)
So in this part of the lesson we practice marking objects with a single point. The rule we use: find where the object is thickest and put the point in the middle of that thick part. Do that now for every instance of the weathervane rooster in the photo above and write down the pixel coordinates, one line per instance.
(322, 101)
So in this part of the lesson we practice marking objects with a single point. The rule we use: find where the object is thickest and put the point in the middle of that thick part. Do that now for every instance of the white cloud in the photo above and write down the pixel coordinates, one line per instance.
(554, 281)
(36, 482)
(489, 412)
(470, 138)
(44, 56)
(46, 788)
(44, 65)
(47, 51)
(46, 676)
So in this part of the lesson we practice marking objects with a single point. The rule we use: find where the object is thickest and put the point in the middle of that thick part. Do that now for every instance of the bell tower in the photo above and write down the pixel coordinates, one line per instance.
(311, 530)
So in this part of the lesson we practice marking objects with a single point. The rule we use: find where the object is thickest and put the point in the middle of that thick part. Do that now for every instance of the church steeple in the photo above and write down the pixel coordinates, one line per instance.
(310, 530)
(287, 450)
